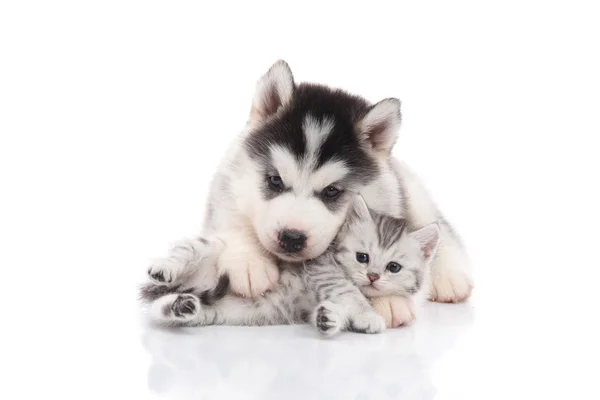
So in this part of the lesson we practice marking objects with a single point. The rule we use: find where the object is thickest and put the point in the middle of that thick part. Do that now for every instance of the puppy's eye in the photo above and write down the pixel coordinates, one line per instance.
(393, 267)
(275, 183)
(362, 258)
(331, 192)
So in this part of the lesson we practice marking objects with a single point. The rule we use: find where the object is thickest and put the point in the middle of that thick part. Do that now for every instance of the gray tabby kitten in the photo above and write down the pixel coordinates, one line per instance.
(373, 255)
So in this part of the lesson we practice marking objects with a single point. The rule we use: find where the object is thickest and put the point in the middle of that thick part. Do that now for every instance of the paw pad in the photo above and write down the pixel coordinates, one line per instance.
(184, 306)
(158, 276)
(323, 322)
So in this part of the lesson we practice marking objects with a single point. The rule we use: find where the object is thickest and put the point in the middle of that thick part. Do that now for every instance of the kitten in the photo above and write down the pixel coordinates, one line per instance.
(373, 255)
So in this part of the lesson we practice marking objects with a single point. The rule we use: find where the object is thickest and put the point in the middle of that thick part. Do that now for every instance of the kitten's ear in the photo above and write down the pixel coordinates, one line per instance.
(273, 91)
(359, 208)
(379, 128)
(428, 237)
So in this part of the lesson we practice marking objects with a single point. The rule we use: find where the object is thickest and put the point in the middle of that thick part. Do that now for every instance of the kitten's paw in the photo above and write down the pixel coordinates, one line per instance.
(450, 285)
(395, 310)
(329, 318)
(175, 309)
(367, 321)
(251, 273)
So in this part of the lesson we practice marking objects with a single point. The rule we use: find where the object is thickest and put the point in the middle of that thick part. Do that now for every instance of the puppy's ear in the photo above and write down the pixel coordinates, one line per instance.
(428, 238)
(273, 91)
(379, 128)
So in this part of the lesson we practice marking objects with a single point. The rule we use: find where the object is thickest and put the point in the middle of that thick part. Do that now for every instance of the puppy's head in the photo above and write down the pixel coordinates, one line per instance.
(312, 149)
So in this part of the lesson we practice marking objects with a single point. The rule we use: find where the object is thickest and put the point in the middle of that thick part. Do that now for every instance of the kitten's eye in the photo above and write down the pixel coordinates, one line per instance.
(331, 192)
(362, 258)
(275, 183)
(394, 267)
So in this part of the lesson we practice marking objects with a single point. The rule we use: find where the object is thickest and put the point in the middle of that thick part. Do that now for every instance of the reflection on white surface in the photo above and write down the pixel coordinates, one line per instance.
(294, 362)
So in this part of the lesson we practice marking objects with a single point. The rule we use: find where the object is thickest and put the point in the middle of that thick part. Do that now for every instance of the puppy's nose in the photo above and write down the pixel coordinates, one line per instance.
(292, 241)
(372, 276)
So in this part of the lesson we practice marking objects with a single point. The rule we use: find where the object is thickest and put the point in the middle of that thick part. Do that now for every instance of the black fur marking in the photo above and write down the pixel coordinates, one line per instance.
(270, 193)
(323, 324)
(418, 278)
(222, 287)
(347, 291)
(389, 229)
(151, 291)
(325, 285)
(285, 131)
(354, 328)
(417, 286)
(158, 276)
(343, 143)
(209, 297)
(202, 240)
(183, 305)
(304, 315)
(334, 204)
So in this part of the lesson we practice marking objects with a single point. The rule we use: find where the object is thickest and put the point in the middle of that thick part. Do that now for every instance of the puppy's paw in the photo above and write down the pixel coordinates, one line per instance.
(368, 321)
(450, 285)
(185, 255)
(329, 318)
(251, 273)
(165, 270)
(395, 310)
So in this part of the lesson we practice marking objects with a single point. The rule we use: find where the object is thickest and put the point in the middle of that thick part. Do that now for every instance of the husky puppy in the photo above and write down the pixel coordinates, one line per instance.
(373, 255)
(283, 189)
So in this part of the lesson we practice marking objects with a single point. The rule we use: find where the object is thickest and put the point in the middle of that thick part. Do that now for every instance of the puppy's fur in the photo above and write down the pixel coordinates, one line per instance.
(373, 255)
(305, 152)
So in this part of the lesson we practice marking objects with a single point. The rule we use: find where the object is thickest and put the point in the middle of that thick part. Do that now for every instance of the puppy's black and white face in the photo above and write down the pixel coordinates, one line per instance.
(312, 149)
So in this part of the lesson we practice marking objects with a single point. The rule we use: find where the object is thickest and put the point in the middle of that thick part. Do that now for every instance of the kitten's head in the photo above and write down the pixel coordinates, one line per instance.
(380, 254)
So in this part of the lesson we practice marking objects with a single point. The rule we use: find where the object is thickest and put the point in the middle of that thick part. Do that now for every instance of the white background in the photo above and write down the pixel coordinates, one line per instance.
(114, 115)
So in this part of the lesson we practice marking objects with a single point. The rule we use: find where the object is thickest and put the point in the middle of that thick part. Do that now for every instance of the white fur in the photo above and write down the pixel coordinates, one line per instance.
(316, 132)
(337, 315)
(238, 214)
(428, 238)
(157, 310)
(337, 276)
(299, 209)
(278, 79)
(190, 259)
(395, 310)
(386, 113)
(252, 271)
(450, 279)
(383, 194)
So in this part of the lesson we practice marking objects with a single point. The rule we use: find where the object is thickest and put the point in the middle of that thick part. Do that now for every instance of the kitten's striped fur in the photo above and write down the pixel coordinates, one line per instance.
(330, 291)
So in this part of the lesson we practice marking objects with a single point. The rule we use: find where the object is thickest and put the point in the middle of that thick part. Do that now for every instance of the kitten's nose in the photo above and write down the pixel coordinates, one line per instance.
(292, 241)
(372, 276)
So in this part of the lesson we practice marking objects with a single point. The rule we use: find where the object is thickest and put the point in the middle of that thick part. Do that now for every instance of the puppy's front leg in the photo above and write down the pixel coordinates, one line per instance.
(251, 269)
(395, 310)
(184, 258)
